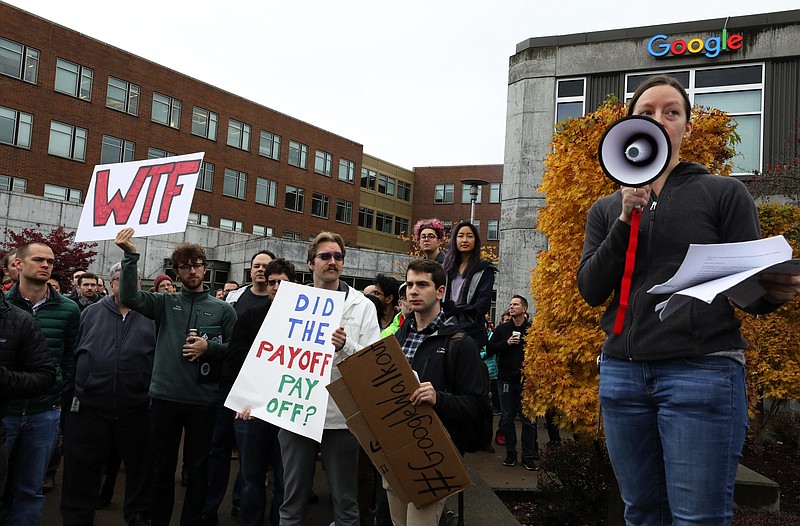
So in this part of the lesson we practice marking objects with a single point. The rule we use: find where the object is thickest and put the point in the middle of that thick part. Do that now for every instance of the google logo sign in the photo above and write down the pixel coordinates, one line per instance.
(711, 47)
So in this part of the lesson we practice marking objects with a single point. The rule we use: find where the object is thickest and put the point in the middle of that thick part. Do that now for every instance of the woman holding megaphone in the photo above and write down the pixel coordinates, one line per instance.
(672, 392)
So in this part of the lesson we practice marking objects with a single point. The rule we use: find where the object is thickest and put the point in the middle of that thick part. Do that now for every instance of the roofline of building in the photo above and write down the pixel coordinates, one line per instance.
(494, 165)
(212, 86)
(696, 26)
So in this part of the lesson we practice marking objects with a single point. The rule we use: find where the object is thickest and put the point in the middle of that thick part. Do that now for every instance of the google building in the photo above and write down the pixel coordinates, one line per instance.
(748, 66)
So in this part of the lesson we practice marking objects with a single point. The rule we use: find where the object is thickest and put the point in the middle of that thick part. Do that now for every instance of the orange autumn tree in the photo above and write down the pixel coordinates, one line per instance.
(773, 358)
(565, 340)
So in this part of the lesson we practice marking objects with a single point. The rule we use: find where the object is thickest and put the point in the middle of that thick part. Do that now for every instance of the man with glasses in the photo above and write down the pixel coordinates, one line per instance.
(429, 235)
(192, 338)
(339, 447)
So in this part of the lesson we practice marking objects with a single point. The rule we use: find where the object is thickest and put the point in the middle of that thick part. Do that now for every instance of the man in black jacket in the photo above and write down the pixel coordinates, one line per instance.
(26, 368)
(455, 395)
(508, 343)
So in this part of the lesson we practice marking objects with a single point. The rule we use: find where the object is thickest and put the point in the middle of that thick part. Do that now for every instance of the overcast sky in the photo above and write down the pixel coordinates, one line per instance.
(417, 82)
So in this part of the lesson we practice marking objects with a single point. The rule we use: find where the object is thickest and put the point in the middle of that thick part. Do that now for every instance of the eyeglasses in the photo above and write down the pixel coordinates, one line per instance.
(273, 282)
(428, 236)
(326, 256)
(376, 293)
(196, 266)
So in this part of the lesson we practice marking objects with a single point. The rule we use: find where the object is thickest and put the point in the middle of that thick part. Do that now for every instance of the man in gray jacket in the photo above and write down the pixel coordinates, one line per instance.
(113, 363)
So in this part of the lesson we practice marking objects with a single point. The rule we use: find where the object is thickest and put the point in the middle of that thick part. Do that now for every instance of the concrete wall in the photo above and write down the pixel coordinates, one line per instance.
(18, 211)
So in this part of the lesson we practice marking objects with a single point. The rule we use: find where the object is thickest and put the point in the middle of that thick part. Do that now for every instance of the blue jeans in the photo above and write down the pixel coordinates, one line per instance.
(34, 437)
(511, 406)
(258, 448)
(674, 430)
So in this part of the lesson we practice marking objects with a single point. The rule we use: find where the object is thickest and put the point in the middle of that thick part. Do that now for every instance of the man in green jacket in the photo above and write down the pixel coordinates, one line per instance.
(192, 338)
(32, 424)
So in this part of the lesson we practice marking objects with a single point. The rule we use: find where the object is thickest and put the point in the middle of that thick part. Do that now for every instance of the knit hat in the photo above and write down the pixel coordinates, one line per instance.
(159, 279)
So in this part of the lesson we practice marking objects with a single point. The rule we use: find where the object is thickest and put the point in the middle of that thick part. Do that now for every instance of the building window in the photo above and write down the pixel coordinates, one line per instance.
(365, 217)
(493, 232)
(293, 199)
(368, 178)
(266, 191)
(401, 226)
(737, 90)
(15, 127)
(294, 236)
(61, 193)
(234, 184)
(73, 79)
(466, 197)
(383, 222)
(232, 225)
(239, 135)
(270, 145)
(494, 192)
(67, 141)
(347, 171)
(570, 98)
(344, 211)
(198, 219)
(205, 178)
(116, 150)
(13, 184)
(386, 184)
(18, 61)
(297, 154)
(319, 205)
(323, 163)
(204, 123)
(158, 153)
(261, 230)
(443, 193)
(166, 111)
(404, 190)
(122, 96)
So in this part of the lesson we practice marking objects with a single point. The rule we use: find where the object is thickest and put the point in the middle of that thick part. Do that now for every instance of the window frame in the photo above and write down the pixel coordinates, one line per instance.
(28, 60)
(74, 141)
(171, 108)
(240, 130)
(323, 163)
(321, 201)
(270, 188)
(238, 179)
(18, 127)
(274, 141)
(344, 208)
(205, 177)
(16, 185)
(132, 92)
(445, 189)
(70, 195)
(122, 148)
(299, 195)
(211, 125)
(301, 152)
(81, 74)
(349, 168)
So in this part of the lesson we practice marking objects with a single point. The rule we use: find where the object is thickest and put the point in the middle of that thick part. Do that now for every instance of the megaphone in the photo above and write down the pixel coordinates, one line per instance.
(634, 151)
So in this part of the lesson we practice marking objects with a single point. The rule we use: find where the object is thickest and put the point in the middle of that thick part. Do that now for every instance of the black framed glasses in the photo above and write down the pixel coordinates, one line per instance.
(326, 256)
(273, 282)
(196, 266)
(428, 236)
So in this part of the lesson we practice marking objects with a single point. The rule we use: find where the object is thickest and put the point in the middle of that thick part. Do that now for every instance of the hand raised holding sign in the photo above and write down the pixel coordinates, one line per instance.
(123, 240)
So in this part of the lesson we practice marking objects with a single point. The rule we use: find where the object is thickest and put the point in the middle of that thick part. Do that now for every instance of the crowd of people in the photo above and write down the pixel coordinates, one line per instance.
(92, 378)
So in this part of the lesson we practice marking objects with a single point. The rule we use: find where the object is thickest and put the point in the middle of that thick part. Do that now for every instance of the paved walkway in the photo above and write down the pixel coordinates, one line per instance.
(488, 466)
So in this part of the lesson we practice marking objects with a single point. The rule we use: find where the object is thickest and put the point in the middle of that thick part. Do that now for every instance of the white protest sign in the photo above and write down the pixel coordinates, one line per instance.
(284, 376)
(152, 196)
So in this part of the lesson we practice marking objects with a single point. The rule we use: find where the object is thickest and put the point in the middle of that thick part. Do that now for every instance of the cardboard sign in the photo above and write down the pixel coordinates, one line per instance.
(408, 444)
(152, 196)
(284, 374)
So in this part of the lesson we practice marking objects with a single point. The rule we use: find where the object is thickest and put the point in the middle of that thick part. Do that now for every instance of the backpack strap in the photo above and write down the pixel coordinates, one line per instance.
(450, 359)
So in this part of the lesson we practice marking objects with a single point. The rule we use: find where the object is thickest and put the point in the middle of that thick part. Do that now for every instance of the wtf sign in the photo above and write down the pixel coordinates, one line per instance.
(152, 196)
(289, 364)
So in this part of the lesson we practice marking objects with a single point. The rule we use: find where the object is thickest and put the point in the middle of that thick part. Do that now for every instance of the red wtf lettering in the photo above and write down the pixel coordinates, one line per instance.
(123, 206)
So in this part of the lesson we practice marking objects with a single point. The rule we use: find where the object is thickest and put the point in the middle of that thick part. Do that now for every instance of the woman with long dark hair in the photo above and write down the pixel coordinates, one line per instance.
(470, 278)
